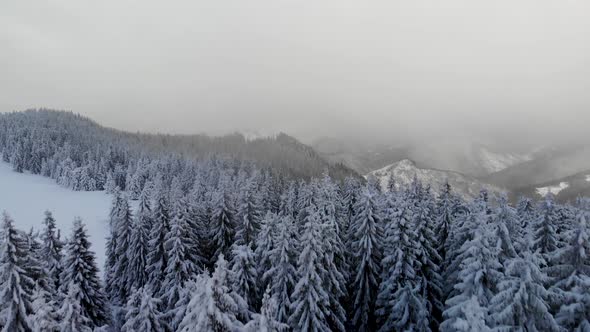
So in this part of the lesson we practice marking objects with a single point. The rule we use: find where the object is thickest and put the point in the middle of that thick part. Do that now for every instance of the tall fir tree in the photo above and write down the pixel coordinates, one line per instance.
(80, 271)
(521, 302)
(310, 300)
(142, 312)
(479, 273)
(52, 251)
(366, 245)
(71, 312)
(399, 265)
(157, 260)
(281, 275)
(222, 222)
(214, 306)
(15, 296)
(243, 274)
(139, 244)
(572, 277)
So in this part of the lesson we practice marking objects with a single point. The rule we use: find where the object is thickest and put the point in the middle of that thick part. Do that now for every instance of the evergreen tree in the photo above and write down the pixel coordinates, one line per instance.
(243, 276)
(51, 251)
(521, 303)
(71, 313)
(472, 318)
(122, 229)
(44, 317)
(477, 279)
(180, 267)
(505, 226)
(281, 275)
(80, 278)
(142, 312)
(335, 272)
(399, 266)
(139, 244)
(213, 306)
(266, 321)
(445, 211)
(157, 260)
(572, 274)
(545, 238)
(222, 222)
(248, 216)
(265, 243)
(429, 259)
(310, 300)
(366, 252)
(14, 296)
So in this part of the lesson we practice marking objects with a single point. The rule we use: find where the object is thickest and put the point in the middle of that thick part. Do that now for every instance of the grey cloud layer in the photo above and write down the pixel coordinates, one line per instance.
(312, 68)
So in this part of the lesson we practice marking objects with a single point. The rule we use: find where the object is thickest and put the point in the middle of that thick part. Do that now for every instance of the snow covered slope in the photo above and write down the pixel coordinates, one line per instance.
(555, 190)
(494, 162)
(404, 172)
(25, 197)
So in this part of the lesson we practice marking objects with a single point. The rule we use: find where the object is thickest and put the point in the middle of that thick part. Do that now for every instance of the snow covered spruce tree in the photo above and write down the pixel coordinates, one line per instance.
(477, 278)
(545, 238)
(80, 271)
(142, 312)
(398, 307)
(248, 214)
(180, 267)
(310, 300)
(157, 259)
(71, 314)
(265, 244)
(572, 277)
(51, 251)
(214, 307)
(281, 275)
(427, 255)
(445, 215)
(521, 301)
(366, 244)
(505, 226)
(139, 243)
(44, 317)
(243, 275)
(222, 222)
(15, 295)
(335, 270)
(266, 321)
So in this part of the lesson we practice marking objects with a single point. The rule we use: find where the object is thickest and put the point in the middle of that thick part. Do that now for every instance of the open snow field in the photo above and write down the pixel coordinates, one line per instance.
(25, 197)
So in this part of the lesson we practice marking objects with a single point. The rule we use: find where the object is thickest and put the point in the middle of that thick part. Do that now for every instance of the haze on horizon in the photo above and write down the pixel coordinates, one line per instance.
(508, 70)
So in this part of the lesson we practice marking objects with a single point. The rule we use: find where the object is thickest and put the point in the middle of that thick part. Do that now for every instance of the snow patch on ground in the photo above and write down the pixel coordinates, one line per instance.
(25, 197)
(543, 191)
(588, 178)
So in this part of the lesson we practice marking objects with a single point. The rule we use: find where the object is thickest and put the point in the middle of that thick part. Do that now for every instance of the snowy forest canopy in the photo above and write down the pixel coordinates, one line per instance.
(217, 244)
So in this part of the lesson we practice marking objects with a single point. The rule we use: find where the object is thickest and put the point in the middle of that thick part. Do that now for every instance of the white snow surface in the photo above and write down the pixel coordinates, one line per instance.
(588, 178)
(543, 191)
(25, 197)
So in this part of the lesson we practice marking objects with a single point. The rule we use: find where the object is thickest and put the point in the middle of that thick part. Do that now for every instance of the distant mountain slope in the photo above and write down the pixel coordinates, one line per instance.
(281, 153)
(404, 172)
(565, 189)
(464, 156)
(546, 167)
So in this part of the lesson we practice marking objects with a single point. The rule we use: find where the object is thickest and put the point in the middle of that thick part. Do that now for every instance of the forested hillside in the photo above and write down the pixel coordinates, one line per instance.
(81, 154)
(216, 244)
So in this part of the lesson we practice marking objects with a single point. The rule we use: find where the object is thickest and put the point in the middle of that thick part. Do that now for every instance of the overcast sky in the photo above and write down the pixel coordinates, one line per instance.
(310, 68)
